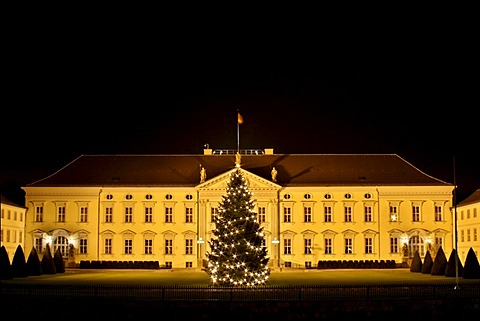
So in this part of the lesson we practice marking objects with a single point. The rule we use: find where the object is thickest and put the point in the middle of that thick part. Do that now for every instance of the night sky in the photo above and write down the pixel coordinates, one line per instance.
(112, 91)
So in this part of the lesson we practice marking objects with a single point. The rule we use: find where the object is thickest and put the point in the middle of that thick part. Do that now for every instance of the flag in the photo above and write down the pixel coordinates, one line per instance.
(240, 118)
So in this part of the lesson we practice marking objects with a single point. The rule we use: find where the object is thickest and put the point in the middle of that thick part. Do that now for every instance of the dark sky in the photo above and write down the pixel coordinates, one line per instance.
(111, 91)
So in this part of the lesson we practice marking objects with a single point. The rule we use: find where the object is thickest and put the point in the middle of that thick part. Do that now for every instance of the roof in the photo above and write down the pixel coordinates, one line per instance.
(6, 201)
(473, 198)
(293, 170)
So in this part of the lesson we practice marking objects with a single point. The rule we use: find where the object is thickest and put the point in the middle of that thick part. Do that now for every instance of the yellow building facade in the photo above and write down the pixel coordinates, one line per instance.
(12, 226)
(468, 225)
(311, 207)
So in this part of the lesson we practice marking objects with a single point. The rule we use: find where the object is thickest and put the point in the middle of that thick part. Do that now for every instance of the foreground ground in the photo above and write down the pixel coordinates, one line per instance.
(411, 308)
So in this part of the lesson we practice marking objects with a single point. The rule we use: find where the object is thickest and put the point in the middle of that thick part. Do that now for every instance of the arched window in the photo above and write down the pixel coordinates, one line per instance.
(61, 243)
(416, 244)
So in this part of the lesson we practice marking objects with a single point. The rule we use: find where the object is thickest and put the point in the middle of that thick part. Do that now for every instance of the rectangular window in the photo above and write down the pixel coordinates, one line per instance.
(83, 214)
(368, 245)
(83, 246)
(168, 214)
(39, 214)
(148, 214)
(368, 214)
(287, 246)
(128, 214)
(188, 246)
(287, 214)
(462, 236)
(416, 213)
(308, 264)
(188, 264)
(393, 213)
(213, 214)
(438, 242)
(475, 236)
(149, 246)
(468, 235)
(348, 213)
(108, 214)
(128, 246)
(328, 246)
(188, 214)
(307, 214)
(168, 265)
(394, 245)
(327, 210)
(438, 213)
(262, 214)
(263, 243)
(108, 246)
(168, 246)
(61, 214)
(348, 246)
(39, 244)
(307, 246)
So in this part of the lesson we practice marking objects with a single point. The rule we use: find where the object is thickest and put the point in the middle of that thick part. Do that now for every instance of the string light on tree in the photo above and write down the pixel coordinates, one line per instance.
(237, 257)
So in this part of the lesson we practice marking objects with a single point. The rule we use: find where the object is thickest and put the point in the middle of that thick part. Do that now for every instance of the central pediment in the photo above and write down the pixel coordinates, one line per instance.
(254, 182)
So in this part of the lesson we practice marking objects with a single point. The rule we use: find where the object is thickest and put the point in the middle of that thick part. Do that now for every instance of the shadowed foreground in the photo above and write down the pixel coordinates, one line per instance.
(299, 295)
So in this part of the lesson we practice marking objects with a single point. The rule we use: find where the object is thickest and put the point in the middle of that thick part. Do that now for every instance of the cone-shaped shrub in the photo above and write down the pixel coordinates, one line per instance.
(48, 267)
(58, 261)
(427, 263)
(472, 267)
(450, 270)
(34, 267)
(19, 263)
(439, 263)
(5, 267)
(416, 265)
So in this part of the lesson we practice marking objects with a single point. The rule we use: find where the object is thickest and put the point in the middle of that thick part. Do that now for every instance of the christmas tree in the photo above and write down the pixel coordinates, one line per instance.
(238, 254)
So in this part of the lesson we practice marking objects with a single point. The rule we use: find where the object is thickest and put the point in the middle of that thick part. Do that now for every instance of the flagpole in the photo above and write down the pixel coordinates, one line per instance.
(238, 131)
(456, 226)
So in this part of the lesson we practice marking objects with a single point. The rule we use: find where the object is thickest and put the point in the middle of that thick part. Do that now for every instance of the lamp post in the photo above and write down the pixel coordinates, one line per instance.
(200, 242)
(276, 257)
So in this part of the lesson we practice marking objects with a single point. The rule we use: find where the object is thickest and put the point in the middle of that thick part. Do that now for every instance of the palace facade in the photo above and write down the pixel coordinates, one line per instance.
(312, 206)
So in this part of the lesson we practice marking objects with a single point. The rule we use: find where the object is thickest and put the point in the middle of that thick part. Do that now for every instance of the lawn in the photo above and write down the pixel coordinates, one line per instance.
(277, 278)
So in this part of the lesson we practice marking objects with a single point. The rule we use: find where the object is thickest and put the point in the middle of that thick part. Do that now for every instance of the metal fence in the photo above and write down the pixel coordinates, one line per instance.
(266, 293)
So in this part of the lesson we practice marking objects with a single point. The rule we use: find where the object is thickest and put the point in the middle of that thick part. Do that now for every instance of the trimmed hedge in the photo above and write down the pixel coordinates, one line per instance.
(97, 264)
(356, 264)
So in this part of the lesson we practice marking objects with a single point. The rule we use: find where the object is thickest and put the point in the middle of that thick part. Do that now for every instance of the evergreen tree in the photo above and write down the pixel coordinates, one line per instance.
(238, 257)
(452, 266)
(417, 264)
(58, 261)
(427, 263)
(34, 266)
(439, 263)
(19, 263)
(48, 267)
(5, 266)
(472, 266)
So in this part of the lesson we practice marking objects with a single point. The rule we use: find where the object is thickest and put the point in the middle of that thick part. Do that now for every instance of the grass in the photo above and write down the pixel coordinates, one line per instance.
(287, 277)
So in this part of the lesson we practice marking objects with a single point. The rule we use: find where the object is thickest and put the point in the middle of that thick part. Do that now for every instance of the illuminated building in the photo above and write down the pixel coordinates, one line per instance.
(313, 207)
(468, 221)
